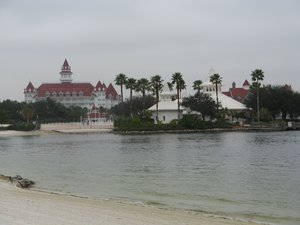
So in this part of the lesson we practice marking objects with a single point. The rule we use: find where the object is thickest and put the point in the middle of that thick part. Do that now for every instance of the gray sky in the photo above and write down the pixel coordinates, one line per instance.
(143, 38)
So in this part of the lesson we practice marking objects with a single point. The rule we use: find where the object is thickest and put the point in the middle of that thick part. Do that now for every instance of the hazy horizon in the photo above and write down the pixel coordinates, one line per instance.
(101, 39)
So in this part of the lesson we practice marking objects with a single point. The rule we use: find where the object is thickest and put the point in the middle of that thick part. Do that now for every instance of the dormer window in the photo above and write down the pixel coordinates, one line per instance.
(54, 93)
(74, 93)
(47, 93)
(61, 93)
(81, 93)
(68, 93)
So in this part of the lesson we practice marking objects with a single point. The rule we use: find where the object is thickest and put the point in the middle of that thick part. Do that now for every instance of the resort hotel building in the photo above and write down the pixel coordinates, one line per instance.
(70, 93)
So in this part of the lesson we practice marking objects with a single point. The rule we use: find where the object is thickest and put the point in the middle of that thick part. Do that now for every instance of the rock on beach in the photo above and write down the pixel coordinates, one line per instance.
(18, 180)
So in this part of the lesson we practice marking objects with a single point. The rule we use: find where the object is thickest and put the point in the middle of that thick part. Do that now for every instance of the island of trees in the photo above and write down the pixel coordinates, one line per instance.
(266, 104)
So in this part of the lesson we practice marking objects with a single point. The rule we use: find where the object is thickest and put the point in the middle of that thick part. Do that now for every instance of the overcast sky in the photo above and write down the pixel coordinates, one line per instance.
(142, 38)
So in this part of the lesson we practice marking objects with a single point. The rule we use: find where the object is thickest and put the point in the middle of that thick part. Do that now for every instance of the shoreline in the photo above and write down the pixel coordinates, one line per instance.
(39, 207)
(14, 133)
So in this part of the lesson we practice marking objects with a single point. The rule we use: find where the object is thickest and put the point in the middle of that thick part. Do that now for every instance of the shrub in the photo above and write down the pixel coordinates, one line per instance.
(22, 127)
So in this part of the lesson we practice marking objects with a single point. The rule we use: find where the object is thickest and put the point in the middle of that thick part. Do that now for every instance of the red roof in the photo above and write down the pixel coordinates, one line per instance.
(238, 94)
(100, 87)
(111, 91)
(65, 66)
(86, 88)
(246, 83)
(29, 87)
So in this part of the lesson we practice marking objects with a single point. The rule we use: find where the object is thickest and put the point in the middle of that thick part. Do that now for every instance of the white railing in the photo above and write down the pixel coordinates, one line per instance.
(77, 125)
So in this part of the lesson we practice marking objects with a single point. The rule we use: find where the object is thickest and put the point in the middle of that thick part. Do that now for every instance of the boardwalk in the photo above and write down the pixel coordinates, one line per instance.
(78, 127)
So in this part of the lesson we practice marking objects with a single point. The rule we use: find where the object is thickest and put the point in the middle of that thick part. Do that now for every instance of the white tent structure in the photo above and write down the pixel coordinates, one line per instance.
(224, 100)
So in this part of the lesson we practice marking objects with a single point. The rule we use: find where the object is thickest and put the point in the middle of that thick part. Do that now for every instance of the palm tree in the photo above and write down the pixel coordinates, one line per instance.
(156, 87)
(179, 85)
(143, 85)
(27, 113)
(257, 76)
(197, 85)
(121, 80)
(216, 79)
(130, 84)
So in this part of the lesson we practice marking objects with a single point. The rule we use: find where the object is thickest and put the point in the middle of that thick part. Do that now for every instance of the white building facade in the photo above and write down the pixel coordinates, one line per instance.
(69, 94)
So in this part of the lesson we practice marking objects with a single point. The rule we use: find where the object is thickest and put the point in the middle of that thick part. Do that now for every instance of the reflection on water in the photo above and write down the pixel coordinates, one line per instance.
(249, 175)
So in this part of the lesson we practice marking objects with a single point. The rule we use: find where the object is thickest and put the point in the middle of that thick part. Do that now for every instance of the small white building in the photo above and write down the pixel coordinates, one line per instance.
(167, 107)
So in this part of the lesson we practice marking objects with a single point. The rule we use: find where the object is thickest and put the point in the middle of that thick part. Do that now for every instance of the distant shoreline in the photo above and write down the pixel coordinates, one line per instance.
(11, 133)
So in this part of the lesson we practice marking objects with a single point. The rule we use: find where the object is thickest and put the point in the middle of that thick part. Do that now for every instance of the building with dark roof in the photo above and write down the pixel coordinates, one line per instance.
(238, 93)
(73, 94)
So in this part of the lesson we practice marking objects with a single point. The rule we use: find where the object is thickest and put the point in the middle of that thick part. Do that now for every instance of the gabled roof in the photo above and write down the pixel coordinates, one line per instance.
(238, 94)
(166, 106)
(29, 87)
(86, 88)
(111, 91)
(100, 87)
(246, 83)
(228, 102)
(65, 66)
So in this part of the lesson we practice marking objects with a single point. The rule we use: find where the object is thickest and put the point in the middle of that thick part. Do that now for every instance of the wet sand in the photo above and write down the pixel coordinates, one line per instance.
(19, 207)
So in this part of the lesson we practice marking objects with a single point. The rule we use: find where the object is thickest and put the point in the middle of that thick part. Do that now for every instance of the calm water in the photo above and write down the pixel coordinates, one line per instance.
(246, 175)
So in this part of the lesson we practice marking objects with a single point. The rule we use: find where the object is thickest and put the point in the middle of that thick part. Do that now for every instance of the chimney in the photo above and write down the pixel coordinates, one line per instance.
(233, 84)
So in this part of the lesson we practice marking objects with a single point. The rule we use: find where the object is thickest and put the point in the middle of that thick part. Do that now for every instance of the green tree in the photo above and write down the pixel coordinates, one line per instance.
(265, 115)
(123, 109)
(13, 108)
(179, 84)
(201, 103)
(257, 76)
(143, 85)
(216, 79)
(294, 110)
(197, 85)
(4, 116)
(130, 84)
(27, 113)
(121, 81)
(156, 85)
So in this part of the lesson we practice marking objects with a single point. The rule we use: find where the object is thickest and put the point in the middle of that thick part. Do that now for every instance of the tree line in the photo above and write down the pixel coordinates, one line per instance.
(41, 111)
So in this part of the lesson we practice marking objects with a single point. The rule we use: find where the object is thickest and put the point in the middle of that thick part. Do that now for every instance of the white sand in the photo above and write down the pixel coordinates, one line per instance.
(9, 133)
(22, 207)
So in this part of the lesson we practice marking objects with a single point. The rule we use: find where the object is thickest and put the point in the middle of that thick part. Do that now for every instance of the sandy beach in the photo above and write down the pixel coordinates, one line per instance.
(20, 207)
(14, 133)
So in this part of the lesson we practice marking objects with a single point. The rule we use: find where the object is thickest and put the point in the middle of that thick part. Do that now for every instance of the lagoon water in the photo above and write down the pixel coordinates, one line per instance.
(253, 176)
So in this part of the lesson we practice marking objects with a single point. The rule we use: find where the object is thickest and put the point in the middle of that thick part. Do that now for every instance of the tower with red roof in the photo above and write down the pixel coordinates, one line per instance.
(66, 73)
(30, 93)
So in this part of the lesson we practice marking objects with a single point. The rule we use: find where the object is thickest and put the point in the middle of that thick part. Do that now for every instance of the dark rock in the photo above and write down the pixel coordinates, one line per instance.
(18, 180)
(6, 178)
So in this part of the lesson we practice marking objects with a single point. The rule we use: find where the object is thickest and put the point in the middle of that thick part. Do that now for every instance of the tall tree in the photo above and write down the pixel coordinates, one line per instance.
(121, 80)
(197, 85)
(257, 76)
(179, 84)
(27, 113)
(216, 79)
(156, 84)
(130, 84)
(143, 85)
